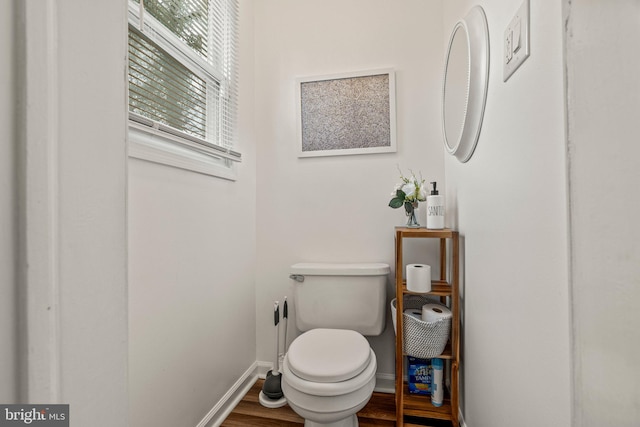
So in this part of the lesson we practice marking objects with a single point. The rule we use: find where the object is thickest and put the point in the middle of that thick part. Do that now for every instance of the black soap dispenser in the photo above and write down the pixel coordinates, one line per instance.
(435, 209)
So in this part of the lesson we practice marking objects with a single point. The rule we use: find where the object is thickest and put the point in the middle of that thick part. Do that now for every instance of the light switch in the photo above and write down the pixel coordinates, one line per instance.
(516, 35)
(516, 41)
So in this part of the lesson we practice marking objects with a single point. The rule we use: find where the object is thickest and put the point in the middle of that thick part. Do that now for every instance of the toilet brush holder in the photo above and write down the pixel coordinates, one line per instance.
(271, 395)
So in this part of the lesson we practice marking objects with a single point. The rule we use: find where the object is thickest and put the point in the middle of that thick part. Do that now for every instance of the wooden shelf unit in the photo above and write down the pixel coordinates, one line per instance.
(417, 405)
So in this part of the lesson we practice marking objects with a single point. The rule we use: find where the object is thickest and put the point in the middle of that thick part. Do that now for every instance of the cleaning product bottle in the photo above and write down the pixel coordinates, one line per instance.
(437, 392)
(435, 209)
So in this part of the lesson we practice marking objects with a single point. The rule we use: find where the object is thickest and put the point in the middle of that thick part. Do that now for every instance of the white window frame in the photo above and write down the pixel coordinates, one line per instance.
(152, 141)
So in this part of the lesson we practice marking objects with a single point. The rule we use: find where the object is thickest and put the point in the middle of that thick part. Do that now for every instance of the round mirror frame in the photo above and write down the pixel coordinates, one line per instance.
(477, 32)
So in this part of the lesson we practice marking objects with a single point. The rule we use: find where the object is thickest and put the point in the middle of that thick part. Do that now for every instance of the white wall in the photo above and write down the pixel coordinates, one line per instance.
(510, 204)
(192, 258)
(92, 211)
(8, 224)
(603, 109)
(334, 209)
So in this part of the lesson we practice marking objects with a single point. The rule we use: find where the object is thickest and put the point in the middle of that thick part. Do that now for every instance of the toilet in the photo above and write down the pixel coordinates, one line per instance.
(329, 371)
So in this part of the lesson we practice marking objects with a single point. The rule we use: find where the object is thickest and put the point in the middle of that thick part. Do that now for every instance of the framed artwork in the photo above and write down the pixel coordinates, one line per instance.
(344, 114)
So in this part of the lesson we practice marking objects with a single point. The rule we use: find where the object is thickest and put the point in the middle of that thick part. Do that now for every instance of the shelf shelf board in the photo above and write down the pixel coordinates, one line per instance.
(447, 353)
(416, 405)
(445, 233)
(439, 288)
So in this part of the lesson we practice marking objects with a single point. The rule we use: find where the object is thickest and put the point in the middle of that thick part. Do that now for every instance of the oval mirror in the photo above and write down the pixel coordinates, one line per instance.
(464, 87)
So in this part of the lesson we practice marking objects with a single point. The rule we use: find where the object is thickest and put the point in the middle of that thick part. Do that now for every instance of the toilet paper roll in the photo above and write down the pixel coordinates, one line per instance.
(418, 278)
(433, 312)
(414, 312)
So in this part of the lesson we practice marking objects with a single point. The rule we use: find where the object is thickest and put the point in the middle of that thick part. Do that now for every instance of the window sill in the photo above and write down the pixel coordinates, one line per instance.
(148, 144)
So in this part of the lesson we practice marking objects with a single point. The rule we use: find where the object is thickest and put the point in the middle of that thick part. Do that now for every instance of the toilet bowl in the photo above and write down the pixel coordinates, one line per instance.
(328, 376)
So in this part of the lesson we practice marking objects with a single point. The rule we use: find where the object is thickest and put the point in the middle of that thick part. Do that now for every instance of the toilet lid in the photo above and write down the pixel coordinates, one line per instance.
(328, 355)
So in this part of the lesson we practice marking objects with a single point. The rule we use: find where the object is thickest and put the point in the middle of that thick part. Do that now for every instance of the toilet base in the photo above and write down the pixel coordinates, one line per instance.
(351, 421)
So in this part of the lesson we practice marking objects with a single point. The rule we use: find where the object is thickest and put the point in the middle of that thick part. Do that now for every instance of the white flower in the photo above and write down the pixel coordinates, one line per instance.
(409, 190)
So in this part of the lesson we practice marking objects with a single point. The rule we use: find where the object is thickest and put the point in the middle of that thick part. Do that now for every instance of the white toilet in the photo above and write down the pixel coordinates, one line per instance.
(329, 371)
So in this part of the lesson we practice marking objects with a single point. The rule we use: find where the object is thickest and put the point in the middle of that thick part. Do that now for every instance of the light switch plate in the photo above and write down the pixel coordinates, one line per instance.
(516, 41)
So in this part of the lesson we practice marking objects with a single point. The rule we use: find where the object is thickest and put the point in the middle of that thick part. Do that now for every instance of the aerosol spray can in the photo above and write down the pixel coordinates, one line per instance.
(437, 391)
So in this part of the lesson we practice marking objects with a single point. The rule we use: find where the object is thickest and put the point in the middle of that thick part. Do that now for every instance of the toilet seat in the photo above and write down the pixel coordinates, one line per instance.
(329, 355)
(334, 389)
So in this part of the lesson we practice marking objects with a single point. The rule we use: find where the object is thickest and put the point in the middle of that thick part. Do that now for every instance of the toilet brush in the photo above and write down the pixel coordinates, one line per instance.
(285, 319)
(271, 395)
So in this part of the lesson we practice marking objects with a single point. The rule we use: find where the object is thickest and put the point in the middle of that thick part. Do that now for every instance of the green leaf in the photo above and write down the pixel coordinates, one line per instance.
(400, 194)
(396, 202)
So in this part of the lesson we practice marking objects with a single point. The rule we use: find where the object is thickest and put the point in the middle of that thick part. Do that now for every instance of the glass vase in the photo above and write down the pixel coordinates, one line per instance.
(410, 209)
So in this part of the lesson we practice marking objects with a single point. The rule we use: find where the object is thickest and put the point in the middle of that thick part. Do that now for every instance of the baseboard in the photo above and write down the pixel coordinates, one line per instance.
(385, 383)
(225, 405)
(461, 419)
(262, 368)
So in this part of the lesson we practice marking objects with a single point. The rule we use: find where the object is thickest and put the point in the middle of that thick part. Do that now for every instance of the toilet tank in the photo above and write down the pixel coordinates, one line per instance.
(340, 296)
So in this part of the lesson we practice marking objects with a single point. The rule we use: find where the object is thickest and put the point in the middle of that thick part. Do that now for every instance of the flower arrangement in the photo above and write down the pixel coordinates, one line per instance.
(408, 193)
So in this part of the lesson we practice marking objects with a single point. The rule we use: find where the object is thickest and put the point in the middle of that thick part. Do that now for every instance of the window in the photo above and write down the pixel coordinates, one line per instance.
(182, 83)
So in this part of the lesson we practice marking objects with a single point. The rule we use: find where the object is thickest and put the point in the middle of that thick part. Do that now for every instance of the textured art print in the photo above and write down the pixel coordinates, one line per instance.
(347, 114)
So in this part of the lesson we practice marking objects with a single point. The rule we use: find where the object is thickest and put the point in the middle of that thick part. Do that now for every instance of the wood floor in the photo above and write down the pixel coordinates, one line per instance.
(379, 412)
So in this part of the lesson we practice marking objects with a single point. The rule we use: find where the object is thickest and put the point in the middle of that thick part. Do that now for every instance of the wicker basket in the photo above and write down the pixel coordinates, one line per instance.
(424, 340)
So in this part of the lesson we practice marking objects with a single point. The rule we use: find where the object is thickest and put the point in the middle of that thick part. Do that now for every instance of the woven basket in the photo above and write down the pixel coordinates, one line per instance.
(424, 340)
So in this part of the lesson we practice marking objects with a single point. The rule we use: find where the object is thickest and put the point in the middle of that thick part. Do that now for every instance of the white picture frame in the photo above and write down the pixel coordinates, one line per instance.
(346, 114)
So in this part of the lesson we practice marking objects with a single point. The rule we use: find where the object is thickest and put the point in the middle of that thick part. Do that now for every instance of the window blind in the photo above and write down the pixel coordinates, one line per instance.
(223, 56)
(182, 67)
(164, 90)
